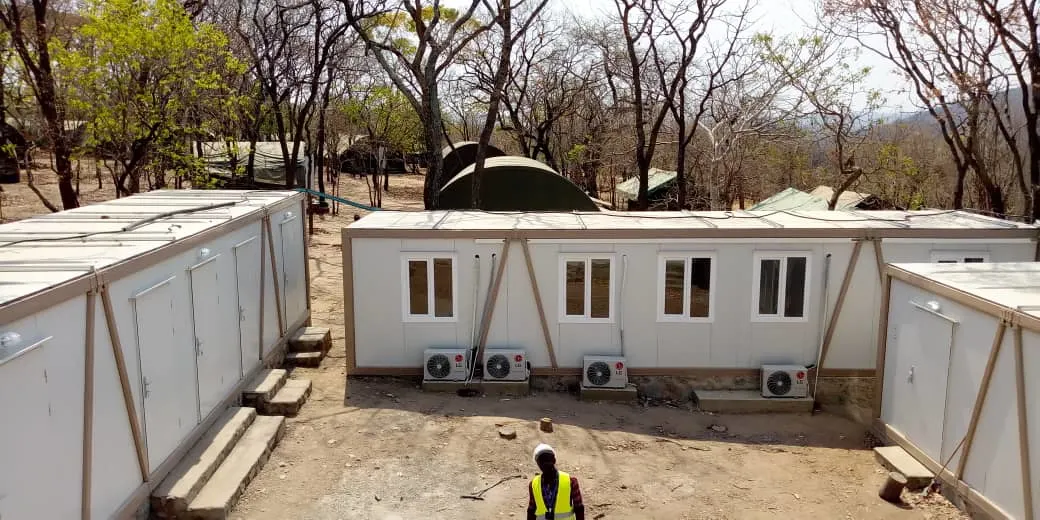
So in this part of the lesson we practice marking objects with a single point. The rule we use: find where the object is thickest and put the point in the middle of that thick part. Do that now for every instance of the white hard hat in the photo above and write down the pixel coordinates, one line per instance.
(542, 448)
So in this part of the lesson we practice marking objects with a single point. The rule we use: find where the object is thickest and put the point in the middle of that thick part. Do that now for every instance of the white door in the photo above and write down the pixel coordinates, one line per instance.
(218, 356)
(168, 399)
(916, 373)
(24, 406)
(294, 290)
(247, 277)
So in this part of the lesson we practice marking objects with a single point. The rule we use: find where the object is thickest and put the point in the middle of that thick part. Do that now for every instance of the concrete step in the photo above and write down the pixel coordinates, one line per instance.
(311, 339)
(750, 401)
(289, 399)
(264, 385)
(304, 359)
(180, 487)
(895, 458)
(221, 493)
(628, 394)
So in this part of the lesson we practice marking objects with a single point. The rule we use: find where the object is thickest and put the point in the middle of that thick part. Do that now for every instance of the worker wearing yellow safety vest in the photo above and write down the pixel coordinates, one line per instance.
(554, 495)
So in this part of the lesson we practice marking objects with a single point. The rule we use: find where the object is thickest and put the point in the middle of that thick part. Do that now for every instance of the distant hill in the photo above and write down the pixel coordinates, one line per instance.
(924, 118)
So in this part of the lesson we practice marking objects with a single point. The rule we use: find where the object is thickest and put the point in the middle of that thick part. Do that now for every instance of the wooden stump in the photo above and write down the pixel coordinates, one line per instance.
(546, 425)
(893, 487)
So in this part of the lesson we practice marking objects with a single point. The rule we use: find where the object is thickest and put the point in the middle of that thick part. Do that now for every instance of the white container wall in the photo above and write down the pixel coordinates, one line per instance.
(179, 276)
(732, 327)
(943, 323)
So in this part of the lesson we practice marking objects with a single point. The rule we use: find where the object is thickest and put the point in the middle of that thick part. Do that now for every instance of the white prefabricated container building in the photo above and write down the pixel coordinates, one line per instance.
(961, 375)
(126, 328)
(697, 294)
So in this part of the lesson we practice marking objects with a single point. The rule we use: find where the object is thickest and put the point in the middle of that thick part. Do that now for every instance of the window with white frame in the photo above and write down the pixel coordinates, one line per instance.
(685, 287)
(960, 257)
(781, 286)
(430, 287)
(586, 283)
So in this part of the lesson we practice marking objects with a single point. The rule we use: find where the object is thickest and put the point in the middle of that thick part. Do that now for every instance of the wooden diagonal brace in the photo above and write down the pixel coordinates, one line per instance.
(538, 303)
(124, 383)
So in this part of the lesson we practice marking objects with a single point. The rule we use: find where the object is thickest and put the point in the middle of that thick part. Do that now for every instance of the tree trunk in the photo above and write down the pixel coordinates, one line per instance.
(434, 141)
(505, 20)
(680, 165)
(958, 189)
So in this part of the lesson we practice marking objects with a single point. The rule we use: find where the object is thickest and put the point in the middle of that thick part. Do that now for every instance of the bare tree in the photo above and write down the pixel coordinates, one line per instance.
(416, 64)
(30, 31)
(744, 98)
(655, 70)
(945, 50)
(1016, 28)
(504, 13)
(708, 75)
(822, 71)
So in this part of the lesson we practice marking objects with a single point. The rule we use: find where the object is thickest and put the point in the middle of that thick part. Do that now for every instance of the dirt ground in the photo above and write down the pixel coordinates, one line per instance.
(385, 450)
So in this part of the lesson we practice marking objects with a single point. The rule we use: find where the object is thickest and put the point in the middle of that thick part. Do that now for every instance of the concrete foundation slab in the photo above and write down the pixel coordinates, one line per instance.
(181, 486)
(629, 394)
(311, 339)
(485, 387)
(895, 458)
(226, 485)
(750, 401)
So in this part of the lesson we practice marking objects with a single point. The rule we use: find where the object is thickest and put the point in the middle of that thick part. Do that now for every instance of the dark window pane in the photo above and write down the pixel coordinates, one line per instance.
(768, 286)
(700, 287)
(794, 304)
(418, 288)
(674, 274)
(576, 288)
(946, 262)
(974, 260)
(442, 296)
(600, 296)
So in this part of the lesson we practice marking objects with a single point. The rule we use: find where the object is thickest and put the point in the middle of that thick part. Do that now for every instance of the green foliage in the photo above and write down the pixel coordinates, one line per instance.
(576, 152)
(138, 69)
(386, 115)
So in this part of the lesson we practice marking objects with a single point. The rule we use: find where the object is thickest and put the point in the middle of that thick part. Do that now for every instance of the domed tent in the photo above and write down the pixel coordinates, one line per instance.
(464, 154)
(514, 183)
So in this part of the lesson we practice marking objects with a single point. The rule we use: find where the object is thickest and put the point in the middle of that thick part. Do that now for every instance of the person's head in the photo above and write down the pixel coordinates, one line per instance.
(545, 458)
(357, 217)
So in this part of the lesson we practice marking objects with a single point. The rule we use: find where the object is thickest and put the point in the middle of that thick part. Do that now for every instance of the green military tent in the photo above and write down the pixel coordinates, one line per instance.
(460, 155)
(512, 183)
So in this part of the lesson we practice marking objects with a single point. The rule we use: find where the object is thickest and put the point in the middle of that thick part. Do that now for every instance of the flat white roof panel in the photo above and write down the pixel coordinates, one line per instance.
(723, 220)
(48, 250)
(1015, 285)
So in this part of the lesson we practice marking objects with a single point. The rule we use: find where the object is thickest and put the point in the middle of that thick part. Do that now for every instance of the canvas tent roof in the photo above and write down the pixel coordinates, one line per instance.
(818, 199)
(513, 183)
(847, 199)
(657, 180)
(268, 166)
(464, 154)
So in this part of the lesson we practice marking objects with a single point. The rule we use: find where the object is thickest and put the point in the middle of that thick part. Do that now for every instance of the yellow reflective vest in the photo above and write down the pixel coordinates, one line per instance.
(562, 509)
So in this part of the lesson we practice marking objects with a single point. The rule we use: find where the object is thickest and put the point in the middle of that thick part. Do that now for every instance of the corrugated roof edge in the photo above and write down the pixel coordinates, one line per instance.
(34, 302)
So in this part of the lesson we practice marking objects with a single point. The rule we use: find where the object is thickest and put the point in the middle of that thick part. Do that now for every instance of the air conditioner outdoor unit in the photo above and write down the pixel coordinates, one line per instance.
(784, 381)
(604, 372)
(505, 365)
(444, 364)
